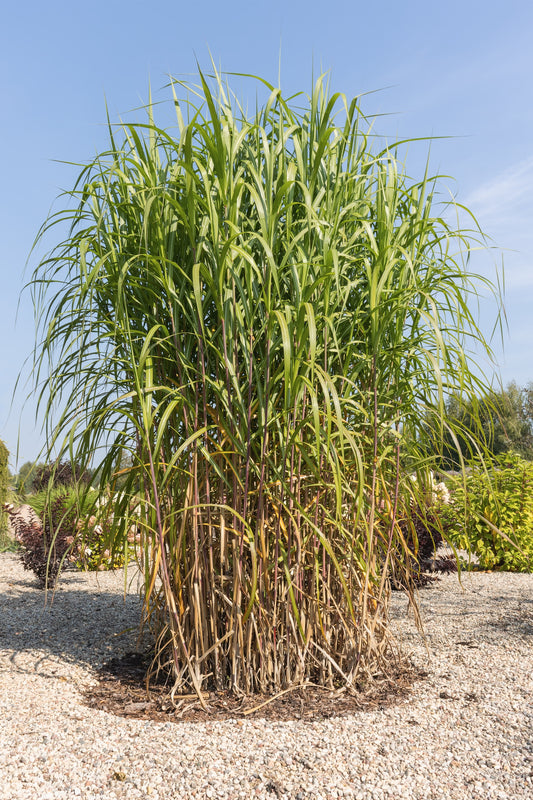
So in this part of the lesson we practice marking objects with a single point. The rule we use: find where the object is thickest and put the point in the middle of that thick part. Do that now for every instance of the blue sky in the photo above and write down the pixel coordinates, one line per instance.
(462, 70)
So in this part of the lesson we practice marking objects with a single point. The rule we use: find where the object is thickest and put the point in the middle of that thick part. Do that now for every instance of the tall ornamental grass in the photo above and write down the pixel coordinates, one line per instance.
(256, 315)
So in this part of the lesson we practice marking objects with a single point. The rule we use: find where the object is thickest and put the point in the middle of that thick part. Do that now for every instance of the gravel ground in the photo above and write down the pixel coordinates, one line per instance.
(464, 732)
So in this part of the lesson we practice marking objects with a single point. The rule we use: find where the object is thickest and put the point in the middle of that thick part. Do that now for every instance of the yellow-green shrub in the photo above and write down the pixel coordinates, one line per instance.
(491, 513)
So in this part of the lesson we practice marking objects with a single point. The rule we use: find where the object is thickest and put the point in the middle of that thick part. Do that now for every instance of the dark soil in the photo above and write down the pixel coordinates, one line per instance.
(121, 690)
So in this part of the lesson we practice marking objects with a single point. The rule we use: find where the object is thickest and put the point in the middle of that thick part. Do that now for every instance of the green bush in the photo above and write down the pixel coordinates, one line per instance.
(94, 549)
(82, 531)
(491, 513)
(4, 489)
(24, 479)
(421, 518)
(59, 473)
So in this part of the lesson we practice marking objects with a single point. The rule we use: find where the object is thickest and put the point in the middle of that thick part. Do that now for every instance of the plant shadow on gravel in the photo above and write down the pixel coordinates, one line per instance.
(516, 622)
(85, 628)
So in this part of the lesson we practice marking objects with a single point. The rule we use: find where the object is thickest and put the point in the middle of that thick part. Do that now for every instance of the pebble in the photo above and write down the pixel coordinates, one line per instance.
(464, 732)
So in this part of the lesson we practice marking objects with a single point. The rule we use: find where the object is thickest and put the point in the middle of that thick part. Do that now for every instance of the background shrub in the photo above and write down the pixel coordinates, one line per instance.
(94, 548)
(67, 511)
(4, 488)
(491, 513)
(422, 522)
(44, 543)
(62, 473)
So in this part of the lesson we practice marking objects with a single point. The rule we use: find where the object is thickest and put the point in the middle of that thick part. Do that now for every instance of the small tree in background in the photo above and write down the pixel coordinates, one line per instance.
(502, 420)
(25, 476)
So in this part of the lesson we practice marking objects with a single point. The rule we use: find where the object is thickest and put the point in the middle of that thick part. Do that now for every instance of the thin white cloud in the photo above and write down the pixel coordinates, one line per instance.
(508, 192)
(518, 277)
(503, 207)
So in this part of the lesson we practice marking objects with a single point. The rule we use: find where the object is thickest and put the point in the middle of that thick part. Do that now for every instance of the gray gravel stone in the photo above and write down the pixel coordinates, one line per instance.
(465, 732)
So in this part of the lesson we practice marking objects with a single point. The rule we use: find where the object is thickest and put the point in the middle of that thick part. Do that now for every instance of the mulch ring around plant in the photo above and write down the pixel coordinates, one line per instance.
(121, 690)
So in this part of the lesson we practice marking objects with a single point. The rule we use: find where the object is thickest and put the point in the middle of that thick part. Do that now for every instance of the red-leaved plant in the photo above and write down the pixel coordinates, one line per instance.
(44, 547)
